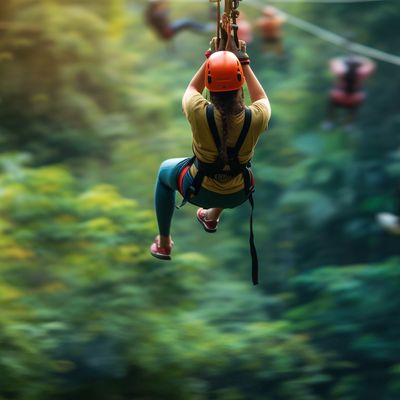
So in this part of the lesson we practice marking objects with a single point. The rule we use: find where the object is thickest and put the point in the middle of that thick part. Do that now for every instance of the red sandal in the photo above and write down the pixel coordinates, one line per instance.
(208, 225)
(162, 253)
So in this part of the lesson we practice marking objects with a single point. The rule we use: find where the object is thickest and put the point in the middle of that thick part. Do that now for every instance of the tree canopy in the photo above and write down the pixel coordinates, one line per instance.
(90, 105)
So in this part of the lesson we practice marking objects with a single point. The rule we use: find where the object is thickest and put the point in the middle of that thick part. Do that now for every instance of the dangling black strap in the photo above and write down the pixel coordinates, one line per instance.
(253, 251)
(246, 176)
(248, 181)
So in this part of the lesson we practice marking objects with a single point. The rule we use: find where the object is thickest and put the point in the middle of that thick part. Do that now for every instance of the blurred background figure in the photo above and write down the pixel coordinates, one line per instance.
(347, 93)
(388, 221)
(157, 17)
(270, 28)
(245, 30)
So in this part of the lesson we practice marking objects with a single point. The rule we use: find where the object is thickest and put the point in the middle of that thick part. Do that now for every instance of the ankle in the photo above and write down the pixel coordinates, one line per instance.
(210, 217)
(165, 241)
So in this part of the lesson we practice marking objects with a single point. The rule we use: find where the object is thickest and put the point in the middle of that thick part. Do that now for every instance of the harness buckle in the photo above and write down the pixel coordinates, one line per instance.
(221, 177)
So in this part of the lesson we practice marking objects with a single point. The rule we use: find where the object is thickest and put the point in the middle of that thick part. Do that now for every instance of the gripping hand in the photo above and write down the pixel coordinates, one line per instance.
(213, 47)
(241, 53)
(229, 45)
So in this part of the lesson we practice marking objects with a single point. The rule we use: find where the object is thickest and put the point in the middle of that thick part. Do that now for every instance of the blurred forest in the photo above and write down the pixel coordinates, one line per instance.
(90, 104)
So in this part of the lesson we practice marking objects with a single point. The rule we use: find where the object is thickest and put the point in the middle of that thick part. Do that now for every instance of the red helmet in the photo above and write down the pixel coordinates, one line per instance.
(223, 72)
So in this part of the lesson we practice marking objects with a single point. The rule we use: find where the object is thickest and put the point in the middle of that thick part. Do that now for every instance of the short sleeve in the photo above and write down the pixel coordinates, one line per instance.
(193, 104)
(261, 113)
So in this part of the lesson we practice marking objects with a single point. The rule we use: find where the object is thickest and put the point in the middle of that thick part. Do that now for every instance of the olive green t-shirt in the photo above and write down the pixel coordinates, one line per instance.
(204, 147)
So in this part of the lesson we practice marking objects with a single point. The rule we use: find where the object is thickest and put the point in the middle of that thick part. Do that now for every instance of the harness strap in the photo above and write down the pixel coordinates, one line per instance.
(197, 181)
(253, 251)
(214, 130)
(181, 176)
(235, 166)
(248, 179)
(245, 129)
(213, 126)
(180, 179)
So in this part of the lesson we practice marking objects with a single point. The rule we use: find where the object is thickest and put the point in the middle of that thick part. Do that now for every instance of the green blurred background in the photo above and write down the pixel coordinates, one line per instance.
(90, 104)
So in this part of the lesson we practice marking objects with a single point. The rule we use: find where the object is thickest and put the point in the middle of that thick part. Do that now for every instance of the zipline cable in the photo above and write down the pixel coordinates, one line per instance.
(324, 1)
(334, 38)
(293, 1)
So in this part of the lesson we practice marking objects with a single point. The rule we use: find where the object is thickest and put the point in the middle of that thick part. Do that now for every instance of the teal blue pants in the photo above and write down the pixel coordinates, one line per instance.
(167, 185)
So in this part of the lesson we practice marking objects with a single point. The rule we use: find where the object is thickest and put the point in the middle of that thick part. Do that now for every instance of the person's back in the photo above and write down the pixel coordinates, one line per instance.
(224, 135)
(229, 117)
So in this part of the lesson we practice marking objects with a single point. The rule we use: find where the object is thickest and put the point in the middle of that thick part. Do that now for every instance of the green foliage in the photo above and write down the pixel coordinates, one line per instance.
(351, 314)
(91, 101)
(74, 76)
(85, 304)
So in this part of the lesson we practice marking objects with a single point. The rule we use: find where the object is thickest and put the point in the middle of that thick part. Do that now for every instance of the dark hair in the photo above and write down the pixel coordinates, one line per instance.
(228, 104)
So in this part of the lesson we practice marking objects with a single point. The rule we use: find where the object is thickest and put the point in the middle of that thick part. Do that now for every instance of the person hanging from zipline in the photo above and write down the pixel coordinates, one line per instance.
(350, 72)
(270, 28)
(157, 17)
(224, 135)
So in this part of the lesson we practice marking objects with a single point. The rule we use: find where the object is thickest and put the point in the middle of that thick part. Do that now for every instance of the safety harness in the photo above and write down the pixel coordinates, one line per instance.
(216, 170)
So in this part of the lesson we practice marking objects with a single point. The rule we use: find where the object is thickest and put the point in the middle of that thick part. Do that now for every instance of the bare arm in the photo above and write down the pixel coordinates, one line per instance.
(196, 85)
(256, 91)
